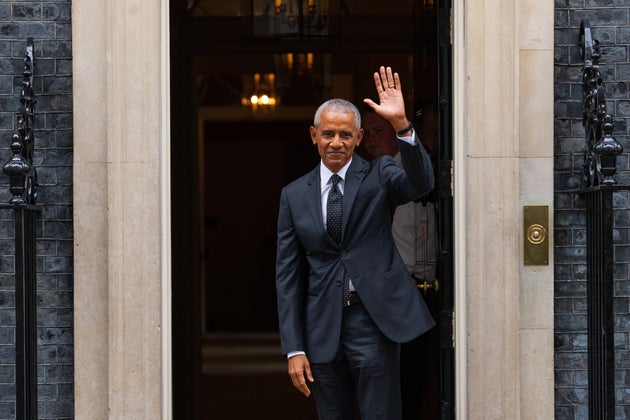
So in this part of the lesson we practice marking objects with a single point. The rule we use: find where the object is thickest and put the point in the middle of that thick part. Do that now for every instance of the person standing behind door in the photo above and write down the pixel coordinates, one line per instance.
(414, 232)
(344, 348)
(414, 222)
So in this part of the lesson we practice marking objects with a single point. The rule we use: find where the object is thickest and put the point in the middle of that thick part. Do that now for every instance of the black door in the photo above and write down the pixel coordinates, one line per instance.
(445, 212)
(225, 353)
(428, 362)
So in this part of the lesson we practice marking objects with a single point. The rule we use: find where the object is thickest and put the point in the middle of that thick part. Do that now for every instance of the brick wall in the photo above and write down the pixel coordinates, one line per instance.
(610, 20)
(48, 22)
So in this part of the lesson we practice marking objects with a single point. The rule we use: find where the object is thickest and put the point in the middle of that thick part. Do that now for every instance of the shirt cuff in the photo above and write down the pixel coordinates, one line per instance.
(411, 139)
(294, 353)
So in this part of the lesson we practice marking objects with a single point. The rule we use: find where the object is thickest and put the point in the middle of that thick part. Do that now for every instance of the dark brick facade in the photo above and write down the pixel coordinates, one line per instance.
(48, 22)
(610, 21)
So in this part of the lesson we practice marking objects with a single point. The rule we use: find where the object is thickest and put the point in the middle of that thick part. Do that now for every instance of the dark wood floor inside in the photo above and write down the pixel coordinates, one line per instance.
(260, 396)
(245, 377)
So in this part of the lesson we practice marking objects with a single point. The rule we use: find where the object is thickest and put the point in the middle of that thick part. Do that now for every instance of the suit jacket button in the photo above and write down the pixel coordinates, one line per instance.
(338, 283)
(344, 254)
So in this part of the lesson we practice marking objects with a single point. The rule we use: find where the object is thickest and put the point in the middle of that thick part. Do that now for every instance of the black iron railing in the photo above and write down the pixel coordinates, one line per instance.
(23, 188)
(600, 158)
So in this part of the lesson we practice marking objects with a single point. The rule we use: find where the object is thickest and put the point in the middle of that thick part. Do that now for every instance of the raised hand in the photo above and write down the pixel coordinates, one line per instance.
(391, 104)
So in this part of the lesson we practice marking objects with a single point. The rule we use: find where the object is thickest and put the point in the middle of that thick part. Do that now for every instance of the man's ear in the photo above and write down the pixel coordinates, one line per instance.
(313, 132)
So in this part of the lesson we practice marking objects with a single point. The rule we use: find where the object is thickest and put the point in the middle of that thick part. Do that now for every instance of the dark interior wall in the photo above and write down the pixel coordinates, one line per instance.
(50, 25)
(239, 294)
(611, 26)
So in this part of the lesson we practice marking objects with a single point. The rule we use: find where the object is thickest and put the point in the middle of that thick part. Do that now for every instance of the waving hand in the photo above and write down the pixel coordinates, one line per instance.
(391, 104)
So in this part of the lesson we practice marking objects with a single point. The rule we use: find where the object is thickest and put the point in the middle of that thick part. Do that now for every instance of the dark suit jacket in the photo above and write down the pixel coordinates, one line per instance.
(310, 265)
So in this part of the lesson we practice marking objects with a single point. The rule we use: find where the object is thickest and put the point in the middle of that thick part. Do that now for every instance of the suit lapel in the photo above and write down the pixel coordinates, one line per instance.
(354, 177)
(314, 199)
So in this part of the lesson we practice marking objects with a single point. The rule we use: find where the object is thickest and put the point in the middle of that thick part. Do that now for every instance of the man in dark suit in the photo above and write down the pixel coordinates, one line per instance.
(345, 297)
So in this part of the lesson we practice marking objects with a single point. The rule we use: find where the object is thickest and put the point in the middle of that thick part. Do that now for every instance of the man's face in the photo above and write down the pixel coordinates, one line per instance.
(336, 138)
(379, 137)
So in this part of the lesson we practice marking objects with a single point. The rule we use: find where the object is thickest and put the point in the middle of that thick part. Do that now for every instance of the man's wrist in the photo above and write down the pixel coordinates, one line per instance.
(403, 132)
(294, 353)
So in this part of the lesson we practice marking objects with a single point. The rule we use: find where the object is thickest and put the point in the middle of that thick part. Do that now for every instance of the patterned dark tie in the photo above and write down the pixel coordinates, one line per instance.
(334, 210)
(334, 213)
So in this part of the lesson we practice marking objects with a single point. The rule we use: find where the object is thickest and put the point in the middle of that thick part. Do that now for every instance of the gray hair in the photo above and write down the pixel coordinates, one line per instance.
(340, 106)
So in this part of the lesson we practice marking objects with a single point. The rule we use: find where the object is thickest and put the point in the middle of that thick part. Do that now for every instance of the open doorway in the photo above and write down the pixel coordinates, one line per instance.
(231, 155)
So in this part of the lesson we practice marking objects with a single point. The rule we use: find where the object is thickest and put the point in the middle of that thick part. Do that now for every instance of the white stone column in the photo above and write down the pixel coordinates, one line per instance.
(536, 181)
(122, 318)
(506, 153)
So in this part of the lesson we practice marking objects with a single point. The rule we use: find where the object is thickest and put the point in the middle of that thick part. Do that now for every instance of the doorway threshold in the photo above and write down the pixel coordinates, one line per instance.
(242, 353)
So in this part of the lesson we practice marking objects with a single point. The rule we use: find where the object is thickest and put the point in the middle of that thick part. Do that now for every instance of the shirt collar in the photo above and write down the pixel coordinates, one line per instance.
(325, 173)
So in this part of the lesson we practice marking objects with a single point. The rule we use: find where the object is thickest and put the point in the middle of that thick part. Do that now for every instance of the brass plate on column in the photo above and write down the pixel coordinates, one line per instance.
(536, 235)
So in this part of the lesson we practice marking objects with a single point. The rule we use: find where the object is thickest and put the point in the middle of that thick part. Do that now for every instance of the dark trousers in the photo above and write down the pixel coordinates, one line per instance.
(366, 367)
